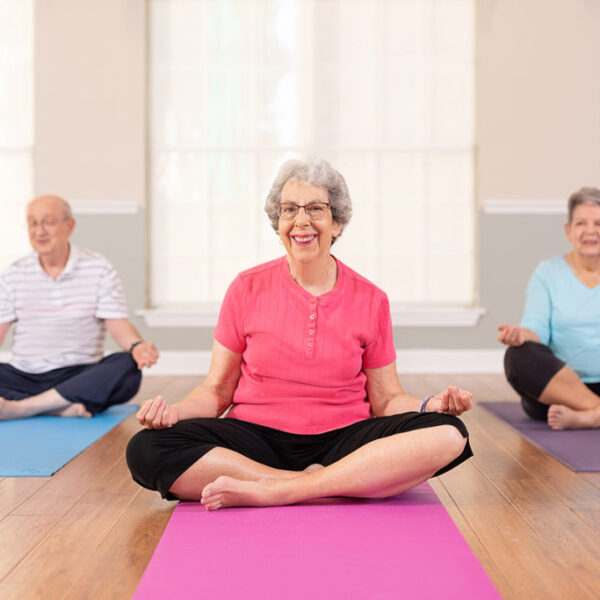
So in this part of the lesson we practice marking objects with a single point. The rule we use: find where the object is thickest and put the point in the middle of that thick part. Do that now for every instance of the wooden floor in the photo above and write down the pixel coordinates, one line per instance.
(89, 531)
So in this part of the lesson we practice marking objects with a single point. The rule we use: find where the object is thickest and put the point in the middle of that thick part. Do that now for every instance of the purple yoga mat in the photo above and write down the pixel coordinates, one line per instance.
(403, 547)
(577, 449)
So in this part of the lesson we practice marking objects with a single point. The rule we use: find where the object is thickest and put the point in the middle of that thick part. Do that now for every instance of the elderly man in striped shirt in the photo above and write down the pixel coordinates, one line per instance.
(61, 300)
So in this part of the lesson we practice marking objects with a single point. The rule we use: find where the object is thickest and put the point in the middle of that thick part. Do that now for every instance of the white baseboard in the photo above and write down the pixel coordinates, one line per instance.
(417, 361)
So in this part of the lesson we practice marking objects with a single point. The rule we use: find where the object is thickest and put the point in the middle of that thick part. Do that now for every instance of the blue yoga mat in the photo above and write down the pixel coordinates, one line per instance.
(40, 446)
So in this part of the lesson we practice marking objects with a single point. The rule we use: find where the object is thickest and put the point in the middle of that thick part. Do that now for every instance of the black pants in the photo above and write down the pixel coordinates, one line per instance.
(113, 380)
(156, 458)
(529, 369)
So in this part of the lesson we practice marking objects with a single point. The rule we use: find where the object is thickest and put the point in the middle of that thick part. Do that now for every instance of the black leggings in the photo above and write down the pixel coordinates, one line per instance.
(529, 369)
(156, 458)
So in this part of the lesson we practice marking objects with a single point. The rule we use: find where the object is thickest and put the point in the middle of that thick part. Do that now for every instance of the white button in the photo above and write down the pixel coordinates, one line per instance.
(312, 315)
(311, 332)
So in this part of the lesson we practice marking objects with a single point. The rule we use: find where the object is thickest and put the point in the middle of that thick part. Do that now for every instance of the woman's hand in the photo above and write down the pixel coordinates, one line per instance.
(157, 414)
(511, 335)
(452, 401)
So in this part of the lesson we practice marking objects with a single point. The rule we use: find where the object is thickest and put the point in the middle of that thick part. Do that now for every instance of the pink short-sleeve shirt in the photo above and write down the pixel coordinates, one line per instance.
(303, 356)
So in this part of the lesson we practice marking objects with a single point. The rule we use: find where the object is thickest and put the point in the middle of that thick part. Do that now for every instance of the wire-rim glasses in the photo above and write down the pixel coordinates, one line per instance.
(315, 211)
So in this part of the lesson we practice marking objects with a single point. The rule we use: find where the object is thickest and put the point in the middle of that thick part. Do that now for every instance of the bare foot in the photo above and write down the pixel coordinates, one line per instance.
(10, 409)
(226, 491)
(563, 417)
(73, 410)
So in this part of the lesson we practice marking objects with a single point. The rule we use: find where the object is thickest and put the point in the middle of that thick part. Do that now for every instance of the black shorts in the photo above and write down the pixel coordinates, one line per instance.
(529, 369)
(156, 458)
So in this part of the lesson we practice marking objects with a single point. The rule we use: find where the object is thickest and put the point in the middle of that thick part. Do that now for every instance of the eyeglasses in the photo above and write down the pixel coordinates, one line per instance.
(46, 224)
(315, 211)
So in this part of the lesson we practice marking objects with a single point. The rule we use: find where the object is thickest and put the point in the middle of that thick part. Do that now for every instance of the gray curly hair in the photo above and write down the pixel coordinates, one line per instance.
(586, 195)
(314, 172)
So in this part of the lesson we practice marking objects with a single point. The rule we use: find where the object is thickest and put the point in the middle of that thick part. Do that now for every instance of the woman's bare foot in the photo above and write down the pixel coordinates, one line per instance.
(226, 491)
(563, 417)
(73, 410)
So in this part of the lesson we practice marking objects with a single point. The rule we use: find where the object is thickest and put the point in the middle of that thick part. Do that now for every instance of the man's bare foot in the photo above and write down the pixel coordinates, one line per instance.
(73, 410)
(226, 491)
(10, 409)
(563, 417)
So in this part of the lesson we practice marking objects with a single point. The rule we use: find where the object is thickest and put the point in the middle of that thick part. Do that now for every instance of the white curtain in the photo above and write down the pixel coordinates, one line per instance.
(16, 125)
(383, 89)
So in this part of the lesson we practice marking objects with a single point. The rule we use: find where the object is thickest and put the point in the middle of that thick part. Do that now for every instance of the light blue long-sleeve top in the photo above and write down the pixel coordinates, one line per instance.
(566, 315)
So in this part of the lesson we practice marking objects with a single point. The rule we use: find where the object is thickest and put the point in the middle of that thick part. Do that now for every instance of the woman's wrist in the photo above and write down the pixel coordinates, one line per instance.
(423, 407)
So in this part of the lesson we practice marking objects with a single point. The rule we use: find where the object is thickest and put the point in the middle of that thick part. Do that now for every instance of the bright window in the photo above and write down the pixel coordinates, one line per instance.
(16, 125)
(383, 89)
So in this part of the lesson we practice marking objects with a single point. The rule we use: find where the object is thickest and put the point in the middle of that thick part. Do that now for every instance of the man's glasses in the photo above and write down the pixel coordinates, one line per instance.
(46, 224)
(315, 211)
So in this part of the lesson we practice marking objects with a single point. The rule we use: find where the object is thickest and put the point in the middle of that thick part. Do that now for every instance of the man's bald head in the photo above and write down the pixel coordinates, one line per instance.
(52, 203)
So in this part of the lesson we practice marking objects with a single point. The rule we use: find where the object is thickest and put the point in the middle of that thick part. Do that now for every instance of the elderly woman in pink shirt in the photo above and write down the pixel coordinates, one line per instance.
(304, 364)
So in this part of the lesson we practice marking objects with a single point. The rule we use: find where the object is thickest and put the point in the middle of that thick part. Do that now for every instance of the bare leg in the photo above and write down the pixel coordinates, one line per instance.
(572, 404)
(381, 468)
(48, 402)
(222, 461)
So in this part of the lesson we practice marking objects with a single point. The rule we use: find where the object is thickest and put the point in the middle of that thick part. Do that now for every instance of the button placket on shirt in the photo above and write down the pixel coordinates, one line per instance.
(311, 328)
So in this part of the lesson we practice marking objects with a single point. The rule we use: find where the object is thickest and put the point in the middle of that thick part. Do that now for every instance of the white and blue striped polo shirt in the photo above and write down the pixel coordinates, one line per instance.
(60, 322)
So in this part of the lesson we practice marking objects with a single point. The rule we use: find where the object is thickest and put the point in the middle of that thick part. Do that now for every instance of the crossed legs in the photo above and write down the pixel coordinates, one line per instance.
(381, 468)
(550, 389)
(75, 391)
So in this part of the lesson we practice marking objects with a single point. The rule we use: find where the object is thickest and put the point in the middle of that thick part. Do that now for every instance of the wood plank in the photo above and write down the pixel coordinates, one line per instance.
(126, 551)
(16, 490)
(520, 552)
(55, 564)
(19, 536)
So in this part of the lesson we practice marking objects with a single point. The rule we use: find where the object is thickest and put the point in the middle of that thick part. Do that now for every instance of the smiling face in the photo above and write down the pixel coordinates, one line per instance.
(307, 240)
(49, 229)
(584, 230)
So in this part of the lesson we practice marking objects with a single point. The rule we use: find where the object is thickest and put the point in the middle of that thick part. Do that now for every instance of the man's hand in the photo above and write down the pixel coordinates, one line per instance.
(157, 414)
(452, 401)
(145, 354)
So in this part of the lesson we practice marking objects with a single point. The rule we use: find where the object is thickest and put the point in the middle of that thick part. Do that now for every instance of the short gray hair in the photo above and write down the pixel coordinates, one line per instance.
(586, 195)
(314, 172)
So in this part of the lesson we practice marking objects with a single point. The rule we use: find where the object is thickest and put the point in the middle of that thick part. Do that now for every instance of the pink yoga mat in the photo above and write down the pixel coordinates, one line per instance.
(402, 547)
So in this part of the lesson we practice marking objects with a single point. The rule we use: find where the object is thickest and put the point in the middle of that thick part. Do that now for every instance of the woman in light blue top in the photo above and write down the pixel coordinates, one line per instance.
(553, 359)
